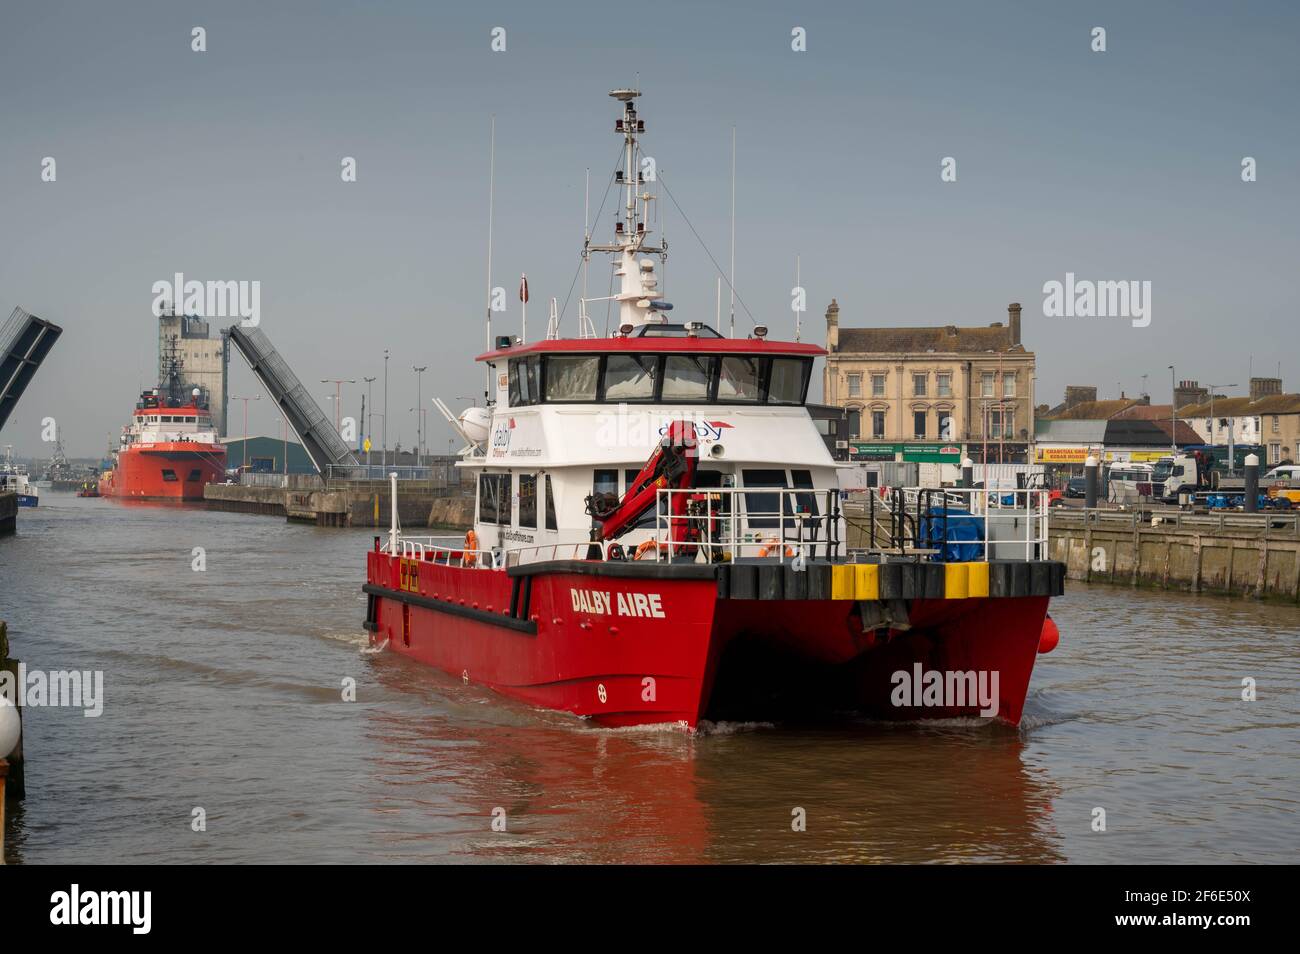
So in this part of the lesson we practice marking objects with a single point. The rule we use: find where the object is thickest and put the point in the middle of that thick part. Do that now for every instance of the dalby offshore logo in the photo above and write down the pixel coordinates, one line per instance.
(635, 429)
(501, 437)
(76, 907)
(240, 299)
(706, 432)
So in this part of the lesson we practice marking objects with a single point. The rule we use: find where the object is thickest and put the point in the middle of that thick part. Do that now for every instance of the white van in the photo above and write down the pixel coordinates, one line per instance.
(1129, 483)
(1285, 472)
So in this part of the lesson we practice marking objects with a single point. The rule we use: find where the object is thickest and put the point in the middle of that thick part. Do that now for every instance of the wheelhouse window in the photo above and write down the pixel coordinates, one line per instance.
(630, 377)
(528, 501)
(686, 377)
(788, 380)
(524, 383)
(762, 508)
(665, 378)
(741, 379)
(551, 522)
(494, 498)
(169, 475)
(572, 377)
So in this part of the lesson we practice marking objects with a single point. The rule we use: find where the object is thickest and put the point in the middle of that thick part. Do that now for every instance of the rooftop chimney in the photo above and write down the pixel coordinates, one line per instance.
(833, 326)
(1263, 387)
(1013, 314)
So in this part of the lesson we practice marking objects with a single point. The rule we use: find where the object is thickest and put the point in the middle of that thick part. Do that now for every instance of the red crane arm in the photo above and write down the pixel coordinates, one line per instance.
(671, 465)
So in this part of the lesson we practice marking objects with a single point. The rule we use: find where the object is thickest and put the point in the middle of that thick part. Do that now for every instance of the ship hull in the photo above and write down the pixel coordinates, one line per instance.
(626, 644)
(171, 471)
(28, 500)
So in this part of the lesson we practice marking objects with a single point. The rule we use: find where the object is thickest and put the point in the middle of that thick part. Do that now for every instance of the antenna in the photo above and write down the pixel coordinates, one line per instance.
(717, 320)
(553, 321)
(586, 245)
(492, 187)
(797, 284)
(731, 281)
(523, 308)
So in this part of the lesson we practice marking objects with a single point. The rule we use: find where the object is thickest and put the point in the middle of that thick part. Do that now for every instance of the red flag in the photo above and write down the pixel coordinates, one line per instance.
(523, 288)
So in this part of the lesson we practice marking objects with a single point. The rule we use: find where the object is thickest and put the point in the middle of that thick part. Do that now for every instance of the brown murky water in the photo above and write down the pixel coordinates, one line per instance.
(223, 692)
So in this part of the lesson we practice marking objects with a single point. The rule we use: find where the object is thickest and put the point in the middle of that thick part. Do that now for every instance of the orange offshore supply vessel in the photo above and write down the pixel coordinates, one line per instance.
(169, 451)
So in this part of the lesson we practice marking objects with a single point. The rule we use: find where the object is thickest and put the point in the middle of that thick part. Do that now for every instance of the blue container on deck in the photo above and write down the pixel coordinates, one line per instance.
(964, 537)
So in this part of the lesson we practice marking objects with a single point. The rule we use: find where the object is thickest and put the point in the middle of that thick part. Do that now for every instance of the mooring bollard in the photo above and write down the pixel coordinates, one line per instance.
(4, 771)
(10, 733)
(1090, 477)
(11, 720)
(1251, 503)
(967, 472)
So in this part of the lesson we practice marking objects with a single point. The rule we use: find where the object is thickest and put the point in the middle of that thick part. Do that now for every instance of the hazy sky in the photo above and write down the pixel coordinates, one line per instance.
(225, 165)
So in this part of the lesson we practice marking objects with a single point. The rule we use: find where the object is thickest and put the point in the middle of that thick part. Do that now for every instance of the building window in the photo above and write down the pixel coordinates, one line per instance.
(918, 385)
(1277, 424)
(877, 385)
(986, 384)
(855, 422)
(877, 424)
(855, 385)
(1001, 422)
(943, 385)
(1008, 385)
(1274, 453)
(945, 426)
(918, 424)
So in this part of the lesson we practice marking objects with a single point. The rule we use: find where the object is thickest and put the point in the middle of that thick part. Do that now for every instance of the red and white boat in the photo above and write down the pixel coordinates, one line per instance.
(660, 537)
(169, 451)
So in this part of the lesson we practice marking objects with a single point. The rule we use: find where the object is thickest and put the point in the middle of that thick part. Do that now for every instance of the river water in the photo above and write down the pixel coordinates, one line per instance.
(223, 693)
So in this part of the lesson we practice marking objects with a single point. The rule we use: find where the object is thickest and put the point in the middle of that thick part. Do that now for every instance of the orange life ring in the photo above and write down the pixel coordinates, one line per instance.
(648, 546)
(772, 545)
(471, 545)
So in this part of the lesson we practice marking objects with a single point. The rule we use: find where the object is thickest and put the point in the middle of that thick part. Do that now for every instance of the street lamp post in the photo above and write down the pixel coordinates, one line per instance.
(1173, 410)
(384, 426)
(370, 419)
(419, 401)
(1212, 387)
(338, 386)
(255, 397)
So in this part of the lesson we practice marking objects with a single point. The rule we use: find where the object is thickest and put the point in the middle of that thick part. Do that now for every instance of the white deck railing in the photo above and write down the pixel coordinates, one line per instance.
(797, 525)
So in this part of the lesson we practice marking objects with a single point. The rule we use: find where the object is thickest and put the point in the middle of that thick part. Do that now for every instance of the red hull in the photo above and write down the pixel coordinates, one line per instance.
(628, 649)
(171, 471)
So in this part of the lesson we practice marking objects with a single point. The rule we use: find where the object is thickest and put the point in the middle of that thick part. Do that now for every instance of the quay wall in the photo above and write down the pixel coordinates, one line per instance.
(338, 504)
(1255, 556)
